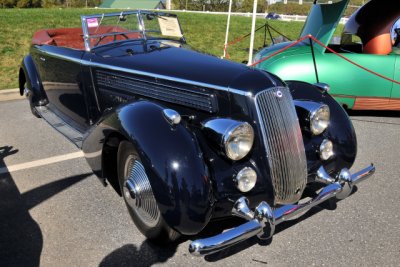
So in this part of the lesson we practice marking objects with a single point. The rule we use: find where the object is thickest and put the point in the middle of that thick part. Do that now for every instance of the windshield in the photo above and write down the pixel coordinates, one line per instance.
(107, 28)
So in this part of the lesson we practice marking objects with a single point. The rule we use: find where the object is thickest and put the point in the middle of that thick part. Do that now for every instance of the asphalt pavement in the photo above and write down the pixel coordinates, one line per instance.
(55, 212)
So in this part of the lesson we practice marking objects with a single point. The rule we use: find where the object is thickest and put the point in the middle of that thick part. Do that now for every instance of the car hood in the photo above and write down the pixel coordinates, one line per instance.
(185, 65)
(295, 49)
(323, 20)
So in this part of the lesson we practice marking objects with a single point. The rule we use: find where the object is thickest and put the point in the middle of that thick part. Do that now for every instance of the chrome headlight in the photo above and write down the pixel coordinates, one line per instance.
(234, 138)
(238, 140)
(319, 119)
(326, 149)
(246, 179)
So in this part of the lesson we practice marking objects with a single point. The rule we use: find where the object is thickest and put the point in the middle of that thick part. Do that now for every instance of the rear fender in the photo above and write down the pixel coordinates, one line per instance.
(28, 74)
(172, 158)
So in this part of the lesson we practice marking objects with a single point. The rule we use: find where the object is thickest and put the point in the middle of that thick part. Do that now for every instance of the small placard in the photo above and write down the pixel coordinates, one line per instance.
(169, 26)
(92, 22)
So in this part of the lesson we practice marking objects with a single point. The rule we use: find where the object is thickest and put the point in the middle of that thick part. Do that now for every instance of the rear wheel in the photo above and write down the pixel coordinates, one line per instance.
(139, 197)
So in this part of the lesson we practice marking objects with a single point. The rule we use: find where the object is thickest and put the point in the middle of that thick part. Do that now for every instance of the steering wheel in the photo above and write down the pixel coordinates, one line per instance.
(115, 37)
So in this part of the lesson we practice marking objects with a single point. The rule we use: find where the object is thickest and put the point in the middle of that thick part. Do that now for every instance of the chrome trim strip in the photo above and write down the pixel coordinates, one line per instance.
(265, 219)
(149, 74)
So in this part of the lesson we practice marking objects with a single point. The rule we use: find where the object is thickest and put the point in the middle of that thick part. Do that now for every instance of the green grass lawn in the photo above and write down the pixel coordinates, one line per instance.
(205, 33)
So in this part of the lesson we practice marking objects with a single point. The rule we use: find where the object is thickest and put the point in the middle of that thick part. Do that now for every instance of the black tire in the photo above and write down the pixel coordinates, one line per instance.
(148, 219)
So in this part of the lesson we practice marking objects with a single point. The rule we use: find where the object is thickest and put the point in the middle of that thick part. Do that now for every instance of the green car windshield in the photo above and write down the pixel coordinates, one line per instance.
(113, 27)
(323, 20)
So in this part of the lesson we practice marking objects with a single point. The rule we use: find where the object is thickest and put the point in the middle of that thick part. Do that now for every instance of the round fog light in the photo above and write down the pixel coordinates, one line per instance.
(246, 179)
(326, 149)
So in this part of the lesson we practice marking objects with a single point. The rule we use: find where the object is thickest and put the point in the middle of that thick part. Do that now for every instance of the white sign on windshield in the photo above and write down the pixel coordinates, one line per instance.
(169, 26)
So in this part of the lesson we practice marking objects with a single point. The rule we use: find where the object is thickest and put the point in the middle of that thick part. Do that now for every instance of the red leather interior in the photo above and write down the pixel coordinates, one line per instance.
(379, 45)
(73, 37)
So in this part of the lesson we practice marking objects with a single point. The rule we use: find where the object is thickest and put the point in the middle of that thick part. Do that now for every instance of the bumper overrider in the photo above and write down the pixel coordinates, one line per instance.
(263, 219)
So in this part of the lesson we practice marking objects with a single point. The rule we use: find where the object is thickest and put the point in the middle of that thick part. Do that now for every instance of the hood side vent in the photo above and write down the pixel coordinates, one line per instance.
(198, 98)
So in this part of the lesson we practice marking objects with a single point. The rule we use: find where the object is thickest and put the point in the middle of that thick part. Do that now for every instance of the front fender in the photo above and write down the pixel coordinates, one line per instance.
(28, 73)
(340, 130)
(172, 158)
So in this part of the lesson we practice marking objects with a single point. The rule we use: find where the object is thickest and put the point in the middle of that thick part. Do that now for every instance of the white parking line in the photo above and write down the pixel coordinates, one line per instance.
(40, 162)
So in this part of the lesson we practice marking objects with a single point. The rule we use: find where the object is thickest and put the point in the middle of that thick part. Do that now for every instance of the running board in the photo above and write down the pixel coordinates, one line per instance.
(60, 125)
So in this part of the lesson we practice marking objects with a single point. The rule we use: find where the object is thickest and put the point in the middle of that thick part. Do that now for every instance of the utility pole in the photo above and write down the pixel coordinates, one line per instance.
(86, 3)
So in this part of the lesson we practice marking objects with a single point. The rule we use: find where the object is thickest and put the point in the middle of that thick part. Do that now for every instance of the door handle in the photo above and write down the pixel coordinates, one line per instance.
(42, 58)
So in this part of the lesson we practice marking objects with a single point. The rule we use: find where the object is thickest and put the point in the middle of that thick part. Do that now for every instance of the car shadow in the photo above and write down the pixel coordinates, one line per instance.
(215, 228)
(373, 113)
(21, 239)
(230, 251)
(147, 254)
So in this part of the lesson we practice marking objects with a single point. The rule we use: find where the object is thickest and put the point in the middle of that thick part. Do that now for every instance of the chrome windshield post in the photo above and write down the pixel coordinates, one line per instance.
(86, 39)
(141, 24)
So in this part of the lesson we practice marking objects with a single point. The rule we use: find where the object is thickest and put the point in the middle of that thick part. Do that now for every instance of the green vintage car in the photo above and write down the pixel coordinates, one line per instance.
(366, 40)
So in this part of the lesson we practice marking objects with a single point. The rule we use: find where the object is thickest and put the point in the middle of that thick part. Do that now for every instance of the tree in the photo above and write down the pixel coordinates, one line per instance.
(36, 3)
(51, 3)
(8, 3)
(24, 3)
(247, 6)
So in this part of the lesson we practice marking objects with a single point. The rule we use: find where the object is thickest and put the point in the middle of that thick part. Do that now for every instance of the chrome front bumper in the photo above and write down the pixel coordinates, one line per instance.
(263, 219)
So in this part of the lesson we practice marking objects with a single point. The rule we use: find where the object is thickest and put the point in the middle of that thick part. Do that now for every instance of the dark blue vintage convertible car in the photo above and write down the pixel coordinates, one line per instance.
(186, 138)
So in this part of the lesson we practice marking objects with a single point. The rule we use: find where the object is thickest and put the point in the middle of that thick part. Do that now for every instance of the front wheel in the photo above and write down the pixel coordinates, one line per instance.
(139, 198)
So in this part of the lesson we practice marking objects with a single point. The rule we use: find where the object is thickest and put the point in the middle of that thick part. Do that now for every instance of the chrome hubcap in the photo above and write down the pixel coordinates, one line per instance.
(138, 193)
(130, 185)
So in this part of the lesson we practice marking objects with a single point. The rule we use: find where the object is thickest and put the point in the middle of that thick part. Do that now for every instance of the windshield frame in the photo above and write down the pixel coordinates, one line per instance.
(141, 24)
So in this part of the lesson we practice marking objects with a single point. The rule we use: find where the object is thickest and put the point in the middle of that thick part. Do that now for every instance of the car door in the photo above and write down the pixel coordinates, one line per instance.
(60, 71)
(368, 90)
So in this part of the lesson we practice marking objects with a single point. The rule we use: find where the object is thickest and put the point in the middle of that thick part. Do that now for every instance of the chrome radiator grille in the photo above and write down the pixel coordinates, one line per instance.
(283, 143)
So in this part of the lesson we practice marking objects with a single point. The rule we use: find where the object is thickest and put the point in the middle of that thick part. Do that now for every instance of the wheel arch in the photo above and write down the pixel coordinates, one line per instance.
(170, 154)
(28, 74)
(110, 160)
